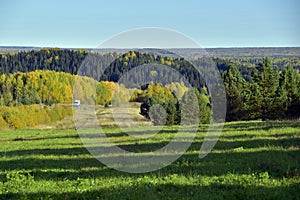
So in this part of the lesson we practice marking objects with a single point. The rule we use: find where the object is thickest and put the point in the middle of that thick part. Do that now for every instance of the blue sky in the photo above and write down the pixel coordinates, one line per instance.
(214, 23)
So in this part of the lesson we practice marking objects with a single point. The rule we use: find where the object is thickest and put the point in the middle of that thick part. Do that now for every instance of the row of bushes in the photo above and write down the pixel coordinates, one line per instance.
(31, 115)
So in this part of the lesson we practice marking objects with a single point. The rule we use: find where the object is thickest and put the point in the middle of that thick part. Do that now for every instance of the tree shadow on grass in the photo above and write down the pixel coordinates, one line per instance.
(229, 159)
(146, 147)
(148, 190)
(276, 163)
(21, 139)
(259, 125)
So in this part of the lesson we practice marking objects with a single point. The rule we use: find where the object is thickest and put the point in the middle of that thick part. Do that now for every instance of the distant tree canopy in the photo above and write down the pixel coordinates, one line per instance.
(62, 60)
(130, 60)
(70, 61)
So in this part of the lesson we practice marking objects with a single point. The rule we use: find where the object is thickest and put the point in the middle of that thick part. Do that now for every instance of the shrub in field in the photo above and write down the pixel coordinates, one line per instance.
(56, 112)
(14, 118)
(31, 115)
(35, 115)
(3, 124)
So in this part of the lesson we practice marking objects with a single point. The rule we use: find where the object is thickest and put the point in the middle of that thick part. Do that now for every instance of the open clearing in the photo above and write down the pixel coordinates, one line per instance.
(252, 160)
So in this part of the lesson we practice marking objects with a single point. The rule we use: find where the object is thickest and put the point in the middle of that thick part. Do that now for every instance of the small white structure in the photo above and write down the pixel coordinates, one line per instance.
(76, 102)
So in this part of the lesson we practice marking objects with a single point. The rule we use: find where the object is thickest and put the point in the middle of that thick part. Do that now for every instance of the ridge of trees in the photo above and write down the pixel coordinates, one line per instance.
(69, 61)
(56, 59)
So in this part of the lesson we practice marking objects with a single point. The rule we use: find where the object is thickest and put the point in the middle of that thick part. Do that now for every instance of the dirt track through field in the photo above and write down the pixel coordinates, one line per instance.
(122, 117)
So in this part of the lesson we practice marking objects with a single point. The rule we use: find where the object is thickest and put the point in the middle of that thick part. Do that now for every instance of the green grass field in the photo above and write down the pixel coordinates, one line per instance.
(252, 160)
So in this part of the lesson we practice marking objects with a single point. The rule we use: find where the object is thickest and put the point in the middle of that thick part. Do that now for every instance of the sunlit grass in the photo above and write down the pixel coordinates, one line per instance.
(251, 160)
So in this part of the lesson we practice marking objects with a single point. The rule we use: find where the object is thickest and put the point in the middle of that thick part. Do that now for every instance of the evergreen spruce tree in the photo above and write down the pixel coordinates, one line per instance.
(290, 84)
(267, 80)
(235, 86)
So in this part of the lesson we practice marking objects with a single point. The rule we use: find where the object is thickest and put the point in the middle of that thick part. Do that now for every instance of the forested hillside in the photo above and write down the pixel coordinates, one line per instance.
(50, 87)
(257, 88)
(44, 59)
(66, 60)
(69, 61)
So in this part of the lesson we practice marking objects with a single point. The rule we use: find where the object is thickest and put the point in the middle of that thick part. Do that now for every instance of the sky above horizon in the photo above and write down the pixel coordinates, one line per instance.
(86, 24)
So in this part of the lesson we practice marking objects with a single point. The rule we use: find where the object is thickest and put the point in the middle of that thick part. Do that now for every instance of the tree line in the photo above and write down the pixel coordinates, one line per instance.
(50, 87)
(62, 60)
(101, 67)
(258, 91)
(267, 94)
(67, 60)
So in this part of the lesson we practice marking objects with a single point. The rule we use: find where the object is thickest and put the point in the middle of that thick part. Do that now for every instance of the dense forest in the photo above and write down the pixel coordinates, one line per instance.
(66, 60)
(256, 88)
(45, 59)
(115, 65)
(270, 94)
(50, 87)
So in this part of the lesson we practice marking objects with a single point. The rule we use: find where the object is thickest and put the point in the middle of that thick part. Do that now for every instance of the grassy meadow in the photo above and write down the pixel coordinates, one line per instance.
(252, 160)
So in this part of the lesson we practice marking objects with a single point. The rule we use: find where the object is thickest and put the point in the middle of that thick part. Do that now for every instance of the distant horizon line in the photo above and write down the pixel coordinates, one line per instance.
(216, 47)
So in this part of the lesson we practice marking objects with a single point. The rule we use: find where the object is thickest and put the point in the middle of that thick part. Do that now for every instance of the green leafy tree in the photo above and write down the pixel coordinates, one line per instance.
(160, 105)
